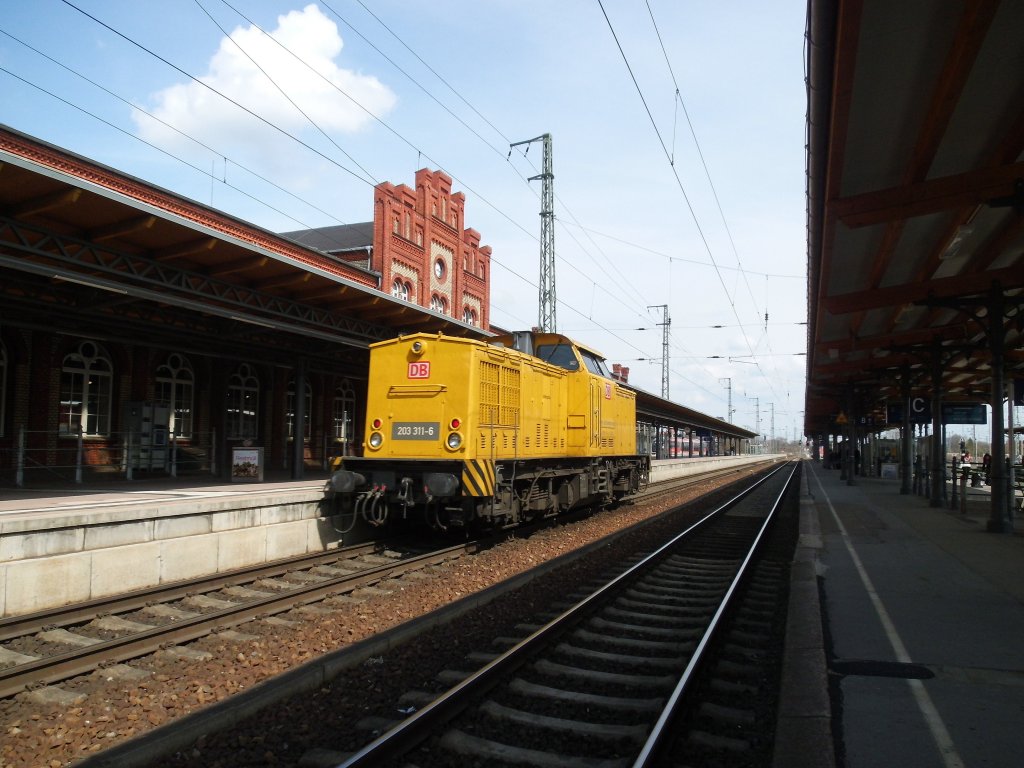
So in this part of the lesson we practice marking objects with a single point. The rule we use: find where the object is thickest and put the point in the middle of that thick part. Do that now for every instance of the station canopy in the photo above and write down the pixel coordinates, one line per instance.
(915, 196)
(87, 249)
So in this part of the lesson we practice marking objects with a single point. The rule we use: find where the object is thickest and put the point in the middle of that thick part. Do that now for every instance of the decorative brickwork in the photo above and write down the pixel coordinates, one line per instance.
(421, 230)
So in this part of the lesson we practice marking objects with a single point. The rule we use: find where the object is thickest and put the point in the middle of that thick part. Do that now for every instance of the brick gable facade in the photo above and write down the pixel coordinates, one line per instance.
(421, 246)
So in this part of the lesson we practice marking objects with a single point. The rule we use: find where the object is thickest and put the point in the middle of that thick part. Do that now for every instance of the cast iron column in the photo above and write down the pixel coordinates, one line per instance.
(906, 436)
(997, 522)
(938, 457)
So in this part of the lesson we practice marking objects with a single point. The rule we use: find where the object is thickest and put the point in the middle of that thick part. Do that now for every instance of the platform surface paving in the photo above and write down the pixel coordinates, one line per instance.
(924, 620)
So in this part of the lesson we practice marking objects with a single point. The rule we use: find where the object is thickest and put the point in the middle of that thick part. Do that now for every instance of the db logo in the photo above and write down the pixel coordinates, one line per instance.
(607, 391)
(419, 370)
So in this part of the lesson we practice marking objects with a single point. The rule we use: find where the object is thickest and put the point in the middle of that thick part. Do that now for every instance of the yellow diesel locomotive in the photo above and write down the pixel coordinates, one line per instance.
(460, 431)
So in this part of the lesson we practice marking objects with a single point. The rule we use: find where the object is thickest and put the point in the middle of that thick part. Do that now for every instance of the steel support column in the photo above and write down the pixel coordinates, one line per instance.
(906, 436)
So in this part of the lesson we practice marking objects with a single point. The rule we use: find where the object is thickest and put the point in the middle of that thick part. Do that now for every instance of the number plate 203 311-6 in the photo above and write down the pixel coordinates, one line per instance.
(415, 430)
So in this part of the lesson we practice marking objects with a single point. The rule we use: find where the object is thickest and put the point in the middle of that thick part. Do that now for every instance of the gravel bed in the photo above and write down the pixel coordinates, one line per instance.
(40, 735)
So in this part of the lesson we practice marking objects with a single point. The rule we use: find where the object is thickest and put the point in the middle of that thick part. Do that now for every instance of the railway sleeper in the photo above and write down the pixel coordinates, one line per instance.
(603, 731)
(613, 680)
(674, 647)
(467, 745)
(530, 690)
(646, 663)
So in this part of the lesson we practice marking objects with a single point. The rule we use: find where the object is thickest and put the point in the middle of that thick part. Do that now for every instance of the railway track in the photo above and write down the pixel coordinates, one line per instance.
(603, 683)
(275, 641)
(668, 488)
(51, 646)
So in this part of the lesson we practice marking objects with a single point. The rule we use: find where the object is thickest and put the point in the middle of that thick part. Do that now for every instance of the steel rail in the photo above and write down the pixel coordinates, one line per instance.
(77, 613)
(61, 666)
(56, 667)
(666, 487)
(424, 723)
(660, 732)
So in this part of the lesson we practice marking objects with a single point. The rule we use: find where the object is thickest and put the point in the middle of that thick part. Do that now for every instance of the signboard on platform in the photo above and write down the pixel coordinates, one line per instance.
(964, 413)
(952, 413)
(246, 465)
(920, 411)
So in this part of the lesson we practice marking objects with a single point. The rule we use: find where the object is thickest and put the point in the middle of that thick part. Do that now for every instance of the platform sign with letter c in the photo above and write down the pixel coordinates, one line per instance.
(920, 410)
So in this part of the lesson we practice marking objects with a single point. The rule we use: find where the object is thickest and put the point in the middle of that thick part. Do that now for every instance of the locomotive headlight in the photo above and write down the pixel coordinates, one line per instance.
(454, 441)
(376, 440)
(418, 348)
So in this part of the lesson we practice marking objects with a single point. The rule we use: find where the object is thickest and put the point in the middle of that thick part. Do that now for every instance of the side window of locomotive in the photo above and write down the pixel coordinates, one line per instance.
(558, 354)
(595, 364)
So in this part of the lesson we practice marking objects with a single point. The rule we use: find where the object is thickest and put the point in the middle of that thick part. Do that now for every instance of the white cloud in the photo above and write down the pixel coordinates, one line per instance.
(317, 84)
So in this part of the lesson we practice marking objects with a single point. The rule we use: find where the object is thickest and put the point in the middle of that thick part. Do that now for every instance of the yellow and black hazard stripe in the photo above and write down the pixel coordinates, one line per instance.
(478, 477)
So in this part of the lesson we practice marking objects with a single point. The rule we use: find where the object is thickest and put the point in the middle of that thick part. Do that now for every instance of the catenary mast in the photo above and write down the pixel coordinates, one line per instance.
(666, 325)
(546, 320)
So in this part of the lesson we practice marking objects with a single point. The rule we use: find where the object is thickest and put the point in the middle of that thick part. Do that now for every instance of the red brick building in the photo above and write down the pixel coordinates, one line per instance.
(142, 331)
(418, 244)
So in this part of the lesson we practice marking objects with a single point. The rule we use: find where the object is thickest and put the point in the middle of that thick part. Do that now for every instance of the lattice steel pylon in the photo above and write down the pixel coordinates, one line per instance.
(546, 298)
(666, 323)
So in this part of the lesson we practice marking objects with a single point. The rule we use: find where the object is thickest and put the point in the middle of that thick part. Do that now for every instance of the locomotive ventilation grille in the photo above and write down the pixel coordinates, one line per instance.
(499, 394)
(492, 438)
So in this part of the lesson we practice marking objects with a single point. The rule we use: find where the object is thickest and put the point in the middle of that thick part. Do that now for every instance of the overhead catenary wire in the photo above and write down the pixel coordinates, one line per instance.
(675, 174)
(283, 92)
(210, 174)
(611, 294)
(219, 153)
(622, 278)
(707, 172)
(143, 141)
(585, 272)
(199, 81)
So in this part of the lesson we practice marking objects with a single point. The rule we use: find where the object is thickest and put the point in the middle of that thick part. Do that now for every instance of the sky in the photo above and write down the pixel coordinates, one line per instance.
(677, 131)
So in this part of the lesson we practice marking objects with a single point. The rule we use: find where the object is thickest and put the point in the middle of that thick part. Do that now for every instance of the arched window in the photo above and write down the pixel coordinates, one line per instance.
(343, 412)
(290, 410)
(469, 315)
(243, 404)
(438, 304)
(175, 388)
(86, 380)
(400, 289)
(3, 386)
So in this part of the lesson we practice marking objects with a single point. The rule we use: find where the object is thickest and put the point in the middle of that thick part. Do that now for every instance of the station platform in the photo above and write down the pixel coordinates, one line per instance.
(63, 543)
(921, 619)
(59, 498)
